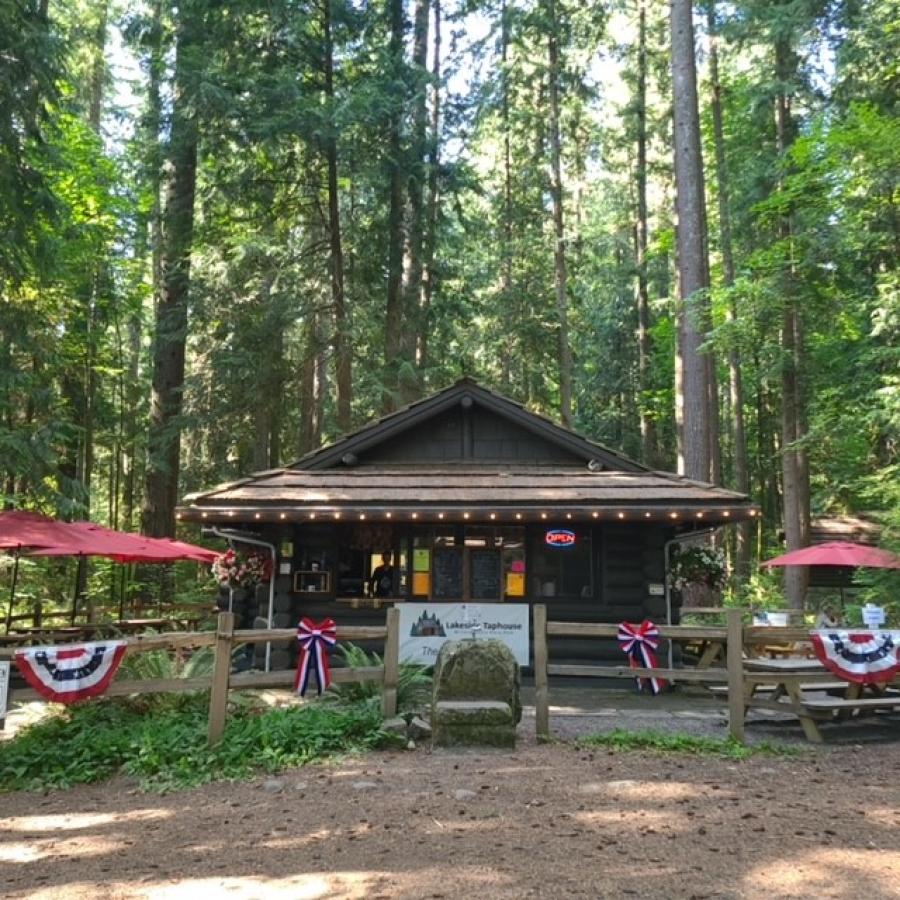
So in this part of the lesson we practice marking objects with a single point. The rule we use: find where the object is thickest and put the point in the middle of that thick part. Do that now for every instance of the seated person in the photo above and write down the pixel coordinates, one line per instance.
(381, 581)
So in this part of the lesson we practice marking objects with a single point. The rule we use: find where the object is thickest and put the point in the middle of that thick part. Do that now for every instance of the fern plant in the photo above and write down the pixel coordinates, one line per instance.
(413, 682)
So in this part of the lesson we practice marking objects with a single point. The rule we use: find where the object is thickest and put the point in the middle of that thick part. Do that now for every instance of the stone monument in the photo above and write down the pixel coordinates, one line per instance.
(475, 701)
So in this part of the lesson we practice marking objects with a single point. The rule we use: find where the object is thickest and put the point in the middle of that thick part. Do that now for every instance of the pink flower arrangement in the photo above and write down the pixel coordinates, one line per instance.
(233, 569)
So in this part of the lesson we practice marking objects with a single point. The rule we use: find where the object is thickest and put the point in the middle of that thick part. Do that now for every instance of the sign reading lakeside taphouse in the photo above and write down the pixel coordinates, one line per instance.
(426, 627)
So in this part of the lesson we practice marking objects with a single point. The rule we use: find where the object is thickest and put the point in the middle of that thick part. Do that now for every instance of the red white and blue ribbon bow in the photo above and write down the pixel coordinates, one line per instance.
(71, 673)
(639, 642)
(866, 657)
(316, 639)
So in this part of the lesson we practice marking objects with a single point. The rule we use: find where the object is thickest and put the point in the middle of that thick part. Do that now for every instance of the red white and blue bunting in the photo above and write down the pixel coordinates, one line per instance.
(866, 657)
(316, 640)
(639, 642)
(71, 673)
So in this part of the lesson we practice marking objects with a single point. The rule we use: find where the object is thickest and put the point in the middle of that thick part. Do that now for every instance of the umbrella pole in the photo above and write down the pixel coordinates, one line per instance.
(122, 592)
(12, 590)
(78, 570)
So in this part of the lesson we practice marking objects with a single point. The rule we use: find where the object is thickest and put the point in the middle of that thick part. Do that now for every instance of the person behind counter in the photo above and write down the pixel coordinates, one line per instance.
(381, 581)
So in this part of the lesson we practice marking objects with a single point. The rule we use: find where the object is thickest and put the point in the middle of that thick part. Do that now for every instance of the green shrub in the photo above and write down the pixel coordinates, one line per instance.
(165, 747)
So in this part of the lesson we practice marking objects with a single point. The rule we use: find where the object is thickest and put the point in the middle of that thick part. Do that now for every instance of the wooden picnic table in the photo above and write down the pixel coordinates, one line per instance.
(796, 679)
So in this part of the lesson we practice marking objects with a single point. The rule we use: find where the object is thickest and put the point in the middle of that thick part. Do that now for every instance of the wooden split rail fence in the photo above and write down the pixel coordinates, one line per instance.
(735, 640)
(224, 640)
(732, 640)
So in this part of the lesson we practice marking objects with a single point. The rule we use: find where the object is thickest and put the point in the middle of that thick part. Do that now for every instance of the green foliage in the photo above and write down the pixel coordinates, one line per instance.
(164, 664)
(80, 256)
(620, 739)
(413, 683)
(697, 564)
(762, 590)
(165, 747)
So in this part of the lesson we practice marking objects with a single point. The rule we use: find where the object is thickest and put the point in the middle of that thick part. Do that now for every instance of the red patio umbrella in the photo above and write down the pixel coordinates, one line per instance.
(838, 553)
(23, 528)
(193, 552)
(20, 529)
(89, 539)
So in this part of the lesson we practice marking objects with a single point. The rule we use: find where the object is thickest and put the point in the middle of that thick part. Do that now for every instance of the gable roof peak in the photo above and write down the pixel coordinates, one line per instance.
(464, 391)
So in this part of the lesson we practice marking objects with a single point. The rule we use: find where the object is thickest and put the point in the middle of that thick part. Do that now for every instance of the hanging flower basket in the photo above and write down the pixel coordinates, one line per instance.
(242, 570)
(698, 574)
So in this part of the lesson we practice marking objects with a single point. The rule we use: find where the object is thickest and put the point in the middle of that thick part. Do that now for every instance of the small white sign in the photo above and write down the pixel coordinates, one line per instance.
(873, 616)
(656, 590)
(4, 688)
(426, 627)
(284, 568)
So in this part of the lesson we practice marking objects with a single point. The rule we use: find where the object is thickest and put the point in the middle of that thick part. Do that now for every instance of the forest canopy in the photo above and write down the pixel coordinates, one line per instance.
(235, 230)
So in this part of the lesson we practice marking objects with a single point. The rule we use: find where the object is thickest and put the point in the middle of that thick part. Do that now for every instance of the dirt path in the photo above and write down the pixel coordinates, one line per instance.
(543, 821)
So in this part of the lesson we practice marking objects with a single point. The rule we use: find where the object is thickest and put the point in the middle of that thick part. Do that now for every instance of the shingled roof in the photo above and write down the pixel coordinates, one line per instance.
(357, 477)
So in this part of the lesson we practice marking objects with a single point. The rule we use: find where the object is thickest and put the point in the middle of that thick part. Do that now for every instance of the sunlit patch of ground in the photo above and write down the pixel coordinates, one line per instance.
(43, 848)
(641, 790)
(826, 873)
(338, 885)
(21, 715)
(75, 821)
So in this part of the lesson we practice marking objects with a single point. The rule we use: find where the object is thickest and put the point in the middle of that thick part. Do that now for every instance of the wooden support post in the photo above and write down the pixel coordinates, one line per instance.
(38, 614)
(218, 698)
(391, 663)
(735, 664)
(541, 693)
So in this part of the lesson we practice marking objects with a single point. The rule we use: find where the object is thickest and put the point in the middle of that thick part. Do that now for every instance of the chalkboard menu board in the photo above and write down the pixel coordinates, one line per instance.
(485, 574)
(447, 574)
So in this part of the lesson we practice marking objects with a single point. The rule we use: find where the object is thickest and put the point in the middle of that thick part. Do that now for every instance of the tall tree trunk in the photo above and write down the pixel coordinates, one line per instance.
(393, 319)
(432, 204)
(735, 379)
(507, 251)
(268, 384)
(342, 338)
(693, 268)
(415, 203)
(794, 465)
(564, 351)
(642, 293)
(98, 67)
(311, 387)
(152, 230)
(164, 439)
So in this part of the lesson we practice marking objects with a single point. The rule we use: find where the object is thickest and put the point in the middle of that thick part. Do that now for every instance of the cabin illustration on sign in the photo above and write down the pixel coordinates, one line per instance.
(472, 498)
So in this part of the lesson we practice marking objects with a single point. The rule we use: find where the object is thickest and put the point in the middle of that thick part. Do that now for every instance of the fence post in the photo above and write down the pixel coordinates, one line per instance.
(391, 663)
(218, 698)
(541, 696)
(735, 664)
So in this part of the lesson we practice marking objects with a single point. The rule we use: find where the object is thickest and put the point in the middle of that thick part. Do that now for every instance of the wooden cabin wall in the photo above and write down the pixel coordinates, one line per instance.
(625, 560)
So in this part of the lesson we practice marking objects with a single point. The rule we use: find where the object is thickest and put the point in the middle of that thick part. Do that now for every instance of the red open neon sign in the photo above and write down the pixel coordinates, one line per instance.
(559, 537)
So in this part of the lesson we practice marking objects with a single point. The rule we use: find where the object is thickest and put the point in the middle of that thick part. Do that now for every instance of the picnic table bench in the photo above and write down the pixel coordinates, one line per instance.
(795, 679)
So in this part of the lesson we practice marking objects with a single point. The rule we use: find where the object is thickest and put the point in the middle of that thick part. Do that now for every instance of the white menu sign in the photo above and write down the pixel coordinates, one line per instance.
(426, 627)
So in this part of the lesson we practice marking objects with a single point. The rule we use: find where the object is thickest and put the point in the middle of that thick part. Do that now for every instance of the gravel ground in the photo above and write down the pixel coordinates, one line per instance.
(548, 821)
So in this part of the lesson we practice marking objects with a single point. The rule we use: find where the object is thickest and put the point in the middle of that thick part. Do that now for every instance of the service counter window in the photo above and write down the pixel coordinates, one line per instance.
(473, 562)
(559, 563)
(371, 562)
